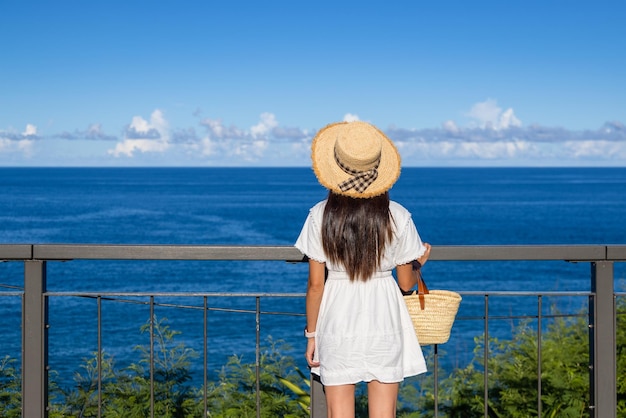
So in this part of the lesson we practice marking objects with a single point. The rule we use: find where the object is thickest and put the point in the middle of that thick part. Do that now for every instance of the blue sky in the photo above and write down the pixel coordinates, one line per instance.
(248, 83)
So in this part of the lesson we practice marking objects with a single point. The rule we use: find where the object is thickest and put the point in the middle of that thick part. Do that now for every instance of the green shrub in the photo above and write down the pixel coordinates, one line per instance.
(513, 379)
(10, 388)
(284, 390)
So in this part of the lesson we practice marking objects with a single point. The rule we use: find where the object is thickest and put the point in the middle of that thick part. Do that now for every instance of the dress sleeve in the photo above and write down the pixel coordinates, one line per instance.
(310, 240)
(410, 245)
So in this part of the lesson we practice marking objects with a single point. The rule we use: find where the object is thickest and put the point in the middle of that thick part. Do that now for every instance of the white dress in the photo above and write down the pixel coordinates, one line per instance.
(363, 330)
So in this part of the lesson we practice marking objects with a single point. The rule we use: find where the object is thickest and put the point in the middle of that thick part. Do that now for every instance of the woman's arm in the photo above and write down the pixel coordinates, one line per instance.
(314, 291)
(404, 272)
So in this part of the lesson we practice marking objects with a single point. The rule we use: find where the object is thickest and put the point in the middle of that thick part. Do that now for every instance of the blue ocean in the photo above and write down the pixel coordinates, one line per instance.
(267, 206)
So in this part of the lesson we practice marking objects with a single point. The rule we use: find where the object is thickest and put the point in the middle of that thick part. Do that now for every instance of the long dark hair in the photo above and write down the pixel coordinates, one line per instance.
(355, 232)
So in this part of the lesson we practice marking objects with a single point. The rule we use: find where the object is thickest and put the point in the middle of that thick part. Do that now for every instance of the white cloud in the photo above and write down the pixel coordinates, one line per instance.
(494, 150)
(492, 136)
(499, 138)
(93, 132)
(129, 146)
(157, 119)
(19, 142)
(31, 130)
(488, 115)
(485, 113)
(450, 126)
(246, 145)
(207, 147)
(267, 123)
(216, 129)
(5, 143)
(24, 146)
(349, 117)
(497, 135)
(144, 136)
(250, 151)
(596, 149)
(428, 150)
(508, 120)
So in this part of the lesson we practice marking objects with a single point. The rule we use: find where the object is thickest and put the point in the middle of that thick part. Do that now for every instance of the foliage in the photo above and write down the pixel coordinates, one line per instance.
(10, 388)
(512, 375)
(284, 390)
(235, 395)
(414, 390)
(127, 392)
(302, 394)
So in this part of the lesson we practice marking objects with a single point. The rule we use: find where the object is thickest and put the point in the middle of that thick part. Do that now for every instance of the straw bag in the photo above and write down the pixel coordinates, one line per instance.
(432, 312)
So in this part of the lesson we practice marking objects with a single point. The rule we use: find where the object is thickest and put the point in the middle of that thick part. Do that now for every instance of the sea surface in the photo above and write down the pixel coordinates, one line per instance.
(267, 206)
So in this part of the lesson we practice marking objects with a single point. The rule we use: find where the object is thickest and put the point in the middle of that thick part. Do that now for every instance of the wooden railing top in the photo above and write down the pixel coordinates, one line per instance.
(574, 253)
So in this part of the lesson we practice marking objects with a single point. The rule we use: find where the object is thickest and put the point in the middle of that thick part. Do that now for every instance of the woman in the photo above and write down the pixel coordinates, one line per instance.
(358, 327)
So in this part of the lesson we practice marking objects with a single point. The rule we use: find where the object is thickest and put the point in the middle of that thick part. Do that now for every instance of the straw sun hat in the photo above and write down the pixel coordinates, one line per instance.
(355, 159)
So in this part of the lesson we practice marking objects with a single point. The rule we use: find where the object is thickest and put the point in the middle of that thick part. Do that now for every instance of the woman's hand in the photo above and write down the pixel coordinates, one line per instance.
(310, 352)
(422, 260)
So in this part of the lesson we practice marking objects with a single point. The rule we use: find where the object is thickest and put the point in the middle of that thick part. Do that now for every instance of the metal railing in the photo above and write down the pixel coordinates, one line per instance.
(602, 312)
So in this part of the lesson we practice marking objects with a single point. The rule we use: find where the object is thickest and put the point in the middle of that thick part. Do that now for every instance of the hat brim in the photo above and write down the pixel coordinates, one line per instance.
(330, 174)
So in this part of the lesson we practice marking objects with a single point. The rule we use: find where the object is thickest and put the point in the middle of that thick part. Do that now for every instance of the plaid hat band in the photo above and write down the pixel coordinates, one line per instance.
(360, 180)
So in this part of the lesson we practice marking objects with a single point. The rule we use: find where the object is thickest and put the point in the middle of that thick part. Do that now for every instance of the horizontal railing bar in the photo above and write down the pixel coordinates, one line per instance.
(296, 295)
(8, 286)
(616, 252)
(194, 307)
(16, 251)
(519, 252)
(301, 295)
(176, 294)
(543, 316)
(165, 252)
(253, 311)
(574, 253)
(522, 293)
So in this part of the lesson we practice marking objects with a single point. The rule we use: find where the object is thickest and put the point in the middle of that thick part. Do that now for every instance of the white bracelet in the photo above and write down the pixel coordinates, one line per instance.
(309, 334)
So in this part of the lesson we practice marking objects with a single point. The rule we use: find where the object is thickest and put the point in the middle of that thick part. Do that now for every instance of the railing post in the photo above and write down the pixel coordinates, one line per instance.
(318, 398)
(35, 341)
(602, 337)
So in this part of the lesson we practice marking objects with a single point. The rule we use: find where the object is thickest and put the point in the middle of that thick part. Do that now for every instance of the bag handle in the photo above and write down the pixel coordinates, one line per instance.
(422, 289)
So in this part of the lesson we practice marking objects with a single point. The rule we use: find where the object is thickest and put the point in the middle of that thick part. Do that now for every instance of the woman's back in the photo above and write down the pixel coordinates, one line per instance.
(403, 247)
